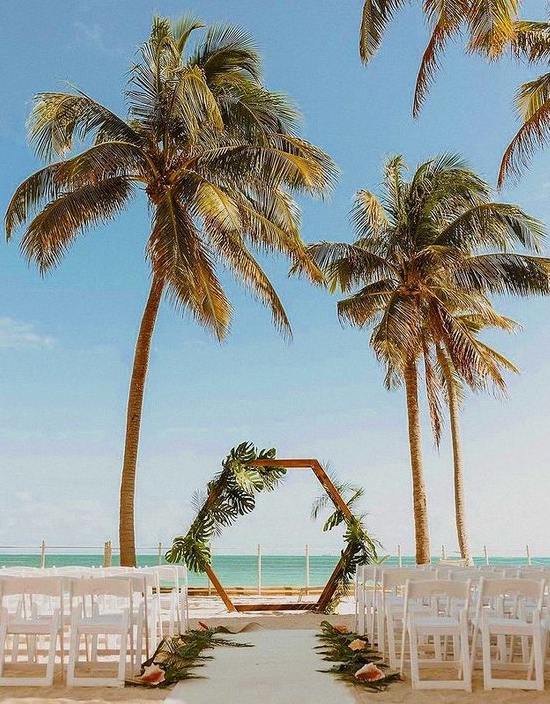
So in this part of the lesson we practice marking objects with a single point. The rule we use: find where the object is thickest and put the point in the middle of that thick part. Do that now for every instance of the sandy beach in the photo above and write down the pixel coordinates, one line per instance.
(212, 613)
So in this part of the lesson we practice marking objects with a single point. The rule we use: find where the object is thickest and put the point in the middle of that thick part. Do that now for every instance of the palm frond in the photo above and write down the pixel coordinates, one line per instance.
(375, 17)
(533, 100)
(55, 227)
(227, 50)
(505, 273)
(491, 26)
(493, 225)
(531, 40)
(57, 119)
(183, 261)
(445, 19)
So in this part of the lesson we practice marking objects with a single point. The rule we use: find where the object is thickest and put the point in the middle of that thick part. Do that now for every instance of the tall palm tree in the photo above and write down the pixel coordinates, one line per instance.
(489, 26)
(427, 248)
(490, 365)
(531, 41)
(217, 156)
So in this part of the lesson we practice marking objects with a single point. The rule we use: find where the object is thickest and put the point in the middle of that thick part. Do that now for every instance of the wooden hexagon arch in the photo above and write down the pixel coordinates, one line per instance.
(321, 604)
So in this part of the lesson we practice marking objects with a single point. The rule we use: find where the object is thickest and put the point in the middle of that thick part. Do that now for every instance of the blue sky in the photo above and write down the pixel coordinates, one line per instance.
(67, 340)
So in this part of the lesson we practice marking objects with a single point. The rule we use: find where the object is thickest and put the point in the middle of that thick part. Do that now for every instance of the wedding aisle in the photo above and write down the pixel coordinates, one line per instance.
(281, 668)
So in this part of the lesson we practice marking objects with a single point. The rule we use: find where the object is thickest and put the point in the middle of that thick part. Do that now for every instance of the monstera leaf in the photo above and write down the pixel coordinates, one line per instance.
(232, 493)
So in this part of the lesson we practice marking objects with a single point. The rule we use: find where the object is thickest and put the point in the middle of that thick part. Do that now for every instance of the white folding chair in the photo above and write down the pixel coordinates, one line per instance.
(32, 611)
(391, 606)
(509, 609)
(102, 606)
(436, 617)
(166, 597)
(365, 601)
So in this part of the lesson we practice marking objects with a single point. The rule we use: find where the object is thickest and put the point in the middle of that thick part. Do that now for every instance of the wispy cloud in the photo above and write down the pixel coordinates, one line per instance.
(17, 335)
(92, 35)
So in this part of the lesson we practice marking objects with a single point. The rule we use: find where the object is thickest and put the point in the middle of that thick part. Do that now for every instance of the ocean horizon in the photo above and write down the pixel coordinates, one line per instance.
(243, 570)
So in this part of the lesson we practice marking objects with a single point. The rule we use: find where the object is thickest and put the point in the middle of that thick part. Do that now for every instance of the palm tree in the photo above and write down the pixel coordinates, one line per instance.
(489, 26)
(422, 253)
(531, 41)
(490, 365)
(217, 156)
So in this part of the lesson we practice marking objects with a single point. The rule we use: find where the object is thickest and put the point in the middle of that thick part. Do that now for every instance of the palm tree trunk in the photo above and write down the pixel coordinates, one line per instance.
(421, 533)
(133, 424)
(458, 475)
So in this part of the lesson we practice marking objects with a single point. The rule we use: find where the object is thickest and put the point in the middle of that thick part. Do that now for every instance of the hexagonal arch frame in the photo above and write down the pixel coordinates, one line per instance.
(324, 599)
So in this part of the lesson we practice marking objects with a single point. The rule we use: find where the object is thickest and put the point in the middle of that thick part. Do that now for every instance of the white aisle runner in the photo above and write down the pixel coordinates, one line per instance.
(281, 668)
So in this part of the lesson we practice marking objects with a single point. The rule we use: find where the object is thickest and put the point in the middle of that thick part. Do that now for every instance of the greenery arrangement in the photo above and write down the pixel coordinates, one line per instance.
(232, 493)
(176, 656)
(355, 660)
(361, 548)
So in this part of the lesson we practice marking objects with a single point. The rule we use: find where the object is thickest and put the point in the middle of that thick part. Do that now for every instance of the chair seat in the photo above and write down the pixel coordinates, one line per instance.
(435, 623)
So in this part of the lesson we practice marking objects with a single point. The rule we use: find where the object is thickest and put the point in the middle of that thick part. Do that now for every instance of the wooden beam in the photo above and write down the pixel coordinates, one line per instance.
(300, 606)
(218, 587)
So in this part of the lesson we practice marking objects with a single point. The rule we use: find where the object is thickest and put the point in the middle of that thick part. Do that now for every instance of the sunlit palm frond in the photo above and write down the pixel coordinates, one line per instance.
(182, 260)
(247, 271)
(445, 19)
(476, 322)
(346, 265)
(35, 191)
(535, 130)
(493, 225)
(57, 119)
(393, 187)
(252, 112)
(55, 227)
(433, 392)
(369, 218)
(397, 337)
(505, 273)
(375, 17)
(227, 50)
(368, 303)
(491, 26)
(531, 40)
(193, 105)
(181, 29)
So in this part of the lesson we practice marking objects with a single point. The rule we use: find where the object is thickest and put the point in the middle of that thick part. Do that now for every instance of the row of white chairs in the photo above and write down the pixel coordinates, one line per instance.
(452, 614)
(102, 616)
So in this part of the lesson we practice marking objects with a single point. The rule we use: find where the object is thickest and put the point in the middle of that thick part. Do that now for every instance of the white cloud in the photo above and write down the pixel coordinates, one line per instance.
(92, 35)
(18, 335)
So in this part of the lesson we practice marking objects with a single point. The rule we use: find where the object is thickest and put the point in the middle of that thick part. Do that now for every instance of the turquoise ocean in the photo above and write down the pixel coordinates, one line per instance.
(242, 570)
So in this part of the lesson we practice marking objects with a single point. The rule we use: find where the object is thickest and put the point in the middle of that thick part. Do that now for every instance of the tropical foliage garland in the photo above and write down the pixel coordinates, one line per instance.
(355, 661)
(232, 493)
(176, 656)
(360, 547)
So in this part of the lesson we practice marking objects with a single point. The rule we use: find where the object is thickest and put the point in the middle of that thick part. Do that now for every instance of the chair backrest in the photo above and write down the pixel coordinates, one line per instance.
(395, 579)
(32, 596)
(512, 595)
(102, 594)
(444, 595)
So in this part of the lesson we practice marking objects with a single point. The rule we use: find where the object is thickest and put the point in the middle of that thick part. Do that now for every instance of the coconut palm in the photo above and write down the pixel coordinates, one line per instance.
(217, 156)
(531, 41)
(489, 26)
(429, 247)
